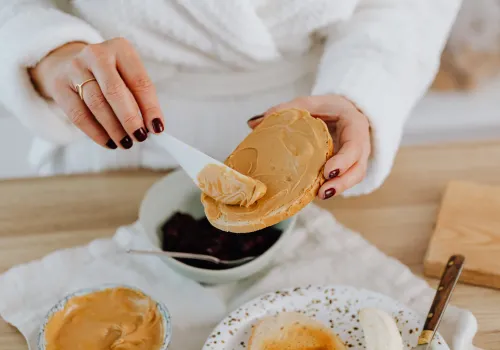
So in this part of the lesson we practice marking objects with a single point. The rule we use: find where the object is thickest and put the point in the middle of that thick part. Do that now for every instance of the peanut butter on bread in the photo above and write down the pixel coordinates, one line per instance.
(286, 153)
(230, 187)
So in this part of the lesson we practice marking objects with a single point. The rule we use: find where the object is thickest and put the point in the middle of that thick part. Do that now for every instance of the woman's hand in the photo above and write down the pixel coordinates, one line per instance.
(119, 101)
(351, 136)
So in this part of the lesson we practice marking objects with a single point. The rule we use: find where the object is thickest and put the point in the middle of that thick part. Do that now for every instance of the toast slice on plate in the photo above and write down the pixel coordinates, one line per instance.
(293, 331)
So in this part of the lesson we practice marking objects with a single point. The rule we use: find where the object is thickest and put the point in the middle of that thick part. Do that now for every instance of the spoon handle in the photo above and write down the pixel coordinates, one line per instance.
(448, 282)
(176, 255)
(189, 158)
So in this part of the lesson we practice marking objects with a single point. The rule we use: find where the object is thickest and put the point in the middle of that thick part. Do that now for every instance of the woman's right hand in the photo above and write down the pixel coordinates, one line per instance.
(118, 107)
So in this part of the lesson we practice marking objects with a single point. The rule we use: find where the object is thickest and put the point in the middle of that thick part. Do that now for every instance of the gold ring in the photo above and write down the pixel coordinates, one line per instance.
(79, 87)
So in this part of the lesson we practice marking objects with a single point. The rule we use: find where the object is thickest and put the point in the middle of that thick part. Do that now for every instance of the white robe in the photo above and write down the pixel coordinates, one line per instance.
(217, 63)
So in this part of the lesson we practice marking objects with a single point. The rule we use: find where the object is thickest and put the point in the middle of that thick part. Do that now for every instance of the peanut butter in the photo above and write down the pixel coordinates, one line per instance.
(116, 318)
(286, 152)
(230, 187)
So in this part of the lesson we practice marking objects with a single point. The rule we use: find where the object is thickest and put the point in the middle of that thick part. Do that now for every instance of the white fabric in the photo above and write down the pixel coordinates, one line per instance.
(320, 244)
(382, 54)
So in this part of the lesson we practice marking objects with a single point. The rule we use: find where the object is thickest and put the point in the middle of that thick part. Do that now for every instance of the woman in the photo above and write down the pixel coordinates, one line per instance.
(92, 85)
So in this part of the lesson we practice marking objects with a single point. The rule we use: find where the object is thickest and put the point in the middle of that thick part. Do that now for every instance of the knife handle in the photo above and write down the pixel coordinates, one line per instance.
(448, 282)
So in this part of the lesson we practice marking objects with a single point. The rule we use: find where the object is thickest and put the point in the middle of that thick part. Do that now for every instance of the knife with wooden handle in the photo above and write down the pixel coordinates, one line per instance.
(448, 282)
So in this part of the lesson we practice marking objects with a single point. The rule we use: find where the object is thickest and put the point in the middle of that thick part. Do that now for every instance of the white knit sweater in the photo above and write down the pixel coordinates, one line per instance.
(218, 62)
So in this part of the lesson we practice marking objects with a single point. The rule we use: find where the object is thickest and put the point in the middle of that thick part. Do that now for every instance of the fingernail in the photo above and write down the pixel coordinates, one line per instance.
(140, 134)
(157, 125)
(127, 142)
(333, 174)
(255, 118)
(111, 144)
(329, 193)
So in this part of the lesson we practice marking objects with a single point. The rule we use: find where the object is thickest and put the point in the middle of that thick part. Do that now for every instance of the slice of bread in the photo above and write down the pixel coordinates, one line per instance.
(293, 331)
(286, 152)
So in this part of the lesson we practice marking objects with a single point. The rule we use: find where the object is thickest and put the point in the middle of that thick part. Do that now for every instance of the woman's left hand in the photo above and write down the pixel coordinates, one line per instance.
(350, 131)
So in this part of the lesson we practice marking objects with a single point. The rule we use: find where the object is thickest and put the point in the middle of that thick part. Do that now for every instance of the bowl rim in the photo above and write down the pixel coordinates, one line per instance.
(152, 192)
(165, 313)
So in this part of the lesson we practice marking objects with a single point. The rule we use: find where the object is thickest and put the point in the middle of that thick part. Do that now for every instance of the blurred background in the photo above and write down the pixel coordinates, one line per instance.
(462, 104)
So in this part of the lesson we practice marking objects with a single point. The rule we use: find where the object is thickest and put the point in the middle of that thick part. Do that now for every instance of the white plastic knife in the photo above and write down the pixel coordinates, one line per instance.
(189, 158)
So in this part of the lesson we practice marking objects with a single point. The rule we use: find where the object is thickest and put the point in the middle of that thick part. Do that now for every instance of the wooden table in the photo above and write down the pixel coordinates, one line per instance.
(38, 216)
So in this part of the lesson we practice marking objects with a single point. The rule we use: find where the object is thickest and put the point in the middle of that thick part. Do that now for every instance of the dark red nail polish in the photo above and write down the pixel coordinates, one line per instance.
(329, 193)
(127, 142)
(111, 144)
(255, 118)
(140, 134)
(333, 174)
(157, 125)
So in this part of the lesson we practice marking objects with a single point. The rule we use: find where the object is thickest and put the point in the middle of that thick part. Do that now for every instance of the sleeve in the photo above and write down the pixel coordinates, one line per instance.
(29, 30)
(383, 60)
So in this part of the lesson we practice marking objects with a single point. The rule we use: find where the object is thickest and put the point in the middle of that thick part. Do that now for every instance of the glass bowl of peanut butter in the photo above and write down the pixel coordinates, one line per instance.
(107, 317)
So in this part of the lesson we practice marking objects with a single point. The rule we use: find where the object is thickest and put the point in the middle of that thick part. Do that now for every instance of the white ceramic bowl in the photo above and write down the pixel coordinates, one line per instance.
(177, 192)
(165, 314)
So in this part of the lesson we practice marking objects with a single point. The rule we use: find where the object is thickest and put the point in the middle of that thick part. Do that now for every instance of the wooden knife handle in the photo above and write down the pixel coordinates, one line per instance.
(446, 285)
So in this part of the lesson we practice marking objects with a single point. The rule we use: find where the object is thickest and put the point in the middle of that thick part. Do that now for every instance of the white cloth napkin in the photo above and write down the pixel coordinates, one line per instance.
(320, 244)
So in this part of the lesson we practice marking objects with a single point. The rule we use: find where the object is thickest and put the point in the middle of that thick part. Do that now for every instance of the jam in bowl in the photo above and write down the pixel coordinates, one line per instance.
(173, 218)
(184, 234)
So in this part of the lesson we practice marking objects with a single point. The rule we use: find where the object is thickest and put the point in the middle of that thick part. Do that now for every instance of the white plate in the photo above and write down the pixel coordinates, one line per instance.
(335, 306)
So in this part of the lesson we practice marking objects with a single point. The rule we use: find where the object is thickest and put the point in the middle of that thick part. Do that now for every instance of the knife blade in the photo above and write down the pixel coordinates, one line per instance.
(447, 284)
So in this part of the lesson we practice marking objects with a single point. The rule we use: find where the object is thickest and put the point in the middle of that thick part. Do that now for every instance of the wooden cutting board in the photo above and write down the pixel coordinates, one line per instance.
(469, 224)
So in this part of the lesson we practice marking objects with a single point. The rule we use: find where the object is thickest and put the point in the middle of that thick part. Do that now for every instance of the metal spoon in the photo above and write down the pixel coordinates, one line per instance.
(201, 257)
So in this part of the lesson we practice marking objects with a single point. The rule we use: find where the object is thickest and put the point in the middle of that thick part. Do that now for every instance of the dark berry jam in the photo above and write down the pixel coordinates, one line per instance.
(183, 233)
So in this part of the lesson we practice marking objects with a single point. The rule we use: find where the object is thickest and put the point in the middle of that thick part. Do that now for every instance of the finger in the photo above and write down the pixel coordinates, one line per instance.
(100, 108)
(323, 107)
(350, 178)
(81, 117)
(306, 103)
(328, 119)
(255, 120)
(102, 111)
(353, 139)
(326, 108)
(117, 94)
(134, 74)
(349, 153)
